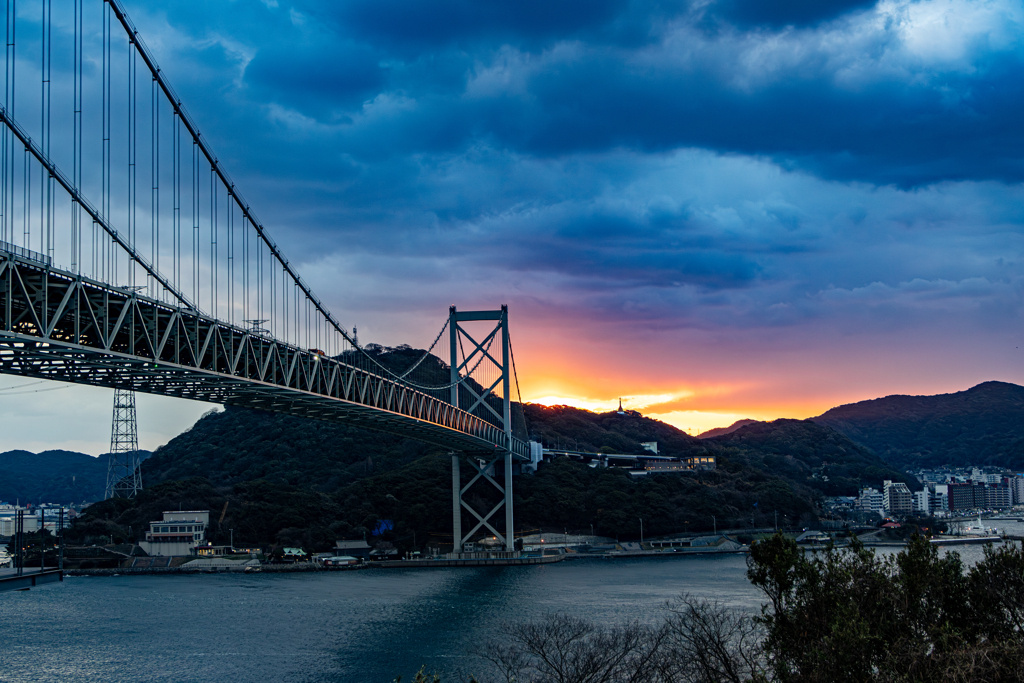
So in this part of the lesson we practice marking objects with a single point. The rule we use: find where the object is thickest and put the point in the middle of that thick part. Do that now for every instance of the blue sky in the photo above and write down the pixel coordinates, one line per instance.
(718, 208)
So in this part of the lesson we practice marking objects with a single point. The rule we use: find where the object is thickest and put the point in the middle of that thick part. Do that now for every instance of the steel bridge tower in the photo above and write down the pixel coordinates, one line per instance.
(485, 466)
(124, 477)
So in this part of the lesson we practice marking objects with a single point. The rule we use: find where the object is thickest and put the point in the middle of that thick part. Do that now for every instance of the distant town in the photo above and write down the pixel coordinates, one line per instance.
(947, 492)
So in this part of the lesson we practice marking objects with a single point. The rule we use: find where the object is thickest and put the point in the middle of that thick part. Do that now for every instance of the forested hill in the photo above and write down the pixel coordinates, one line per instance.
(576, 429)
(983, 425)
(719, 431)
(803, 451)
(53, 476)
(291, 481)
(238, 445)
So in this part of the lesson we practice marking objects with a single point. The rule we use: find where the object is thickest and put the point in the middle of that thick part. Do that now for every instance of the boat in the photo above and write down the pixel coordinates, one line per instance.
(975, 529)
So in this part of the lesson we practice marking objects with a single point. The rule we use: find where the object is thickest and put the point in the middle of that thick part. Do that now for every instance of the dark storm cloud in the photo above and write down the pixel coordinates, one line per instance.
(412, 26)
(699, 164)
(318, 78)
(750, 13)
(850, 96)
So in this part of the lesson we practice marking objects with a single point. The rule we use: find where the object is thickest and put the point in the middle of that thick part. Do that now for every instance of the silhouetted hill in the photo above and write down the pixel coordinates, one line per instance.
(238, 445)
(719, 431)
(803, 451)
(291, 481)
(983, 425)
(577, 429)
(53, 476)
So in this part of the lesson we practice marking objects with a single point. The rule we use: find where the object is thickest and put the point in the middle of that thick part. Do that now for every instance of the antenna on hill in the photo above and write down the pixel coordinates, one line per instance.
(124, 477)
(621, 411)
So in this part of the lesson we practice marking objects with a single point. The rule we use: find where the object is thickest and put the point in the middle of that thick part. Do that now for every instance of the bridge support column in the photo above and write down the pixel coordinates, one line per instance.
(456, 505)
(510, 532)
(485, 469)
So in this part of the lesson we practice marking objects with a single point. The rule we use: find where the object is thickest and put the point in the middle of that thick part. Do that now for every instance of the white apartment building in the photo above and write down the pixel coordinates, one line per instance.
(870, 500)
(940, 498)
(898, 499)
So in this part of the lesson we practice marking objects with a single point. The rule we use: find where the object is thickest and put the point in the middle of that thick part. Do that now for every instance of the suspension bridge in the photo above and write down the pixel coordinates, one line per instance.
(130, 260)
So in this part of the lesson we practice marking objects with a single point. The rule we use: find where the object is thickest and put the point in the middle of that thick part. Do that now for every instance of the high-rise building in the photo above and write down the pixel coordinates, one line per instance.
(898, 499)
(967, 496)
(1017, 485)
(999, 496)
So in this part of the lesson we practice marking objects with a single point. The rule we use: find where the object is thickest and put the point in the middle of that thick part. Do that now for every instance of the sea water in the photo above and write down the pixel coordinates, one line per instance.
(355, 626)
(369, 625)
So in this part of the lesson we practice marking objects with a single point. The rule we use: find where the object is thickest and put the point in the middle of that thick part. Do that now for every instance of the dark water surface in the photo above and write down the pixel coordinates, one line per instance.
(361, 626)
(369, 625)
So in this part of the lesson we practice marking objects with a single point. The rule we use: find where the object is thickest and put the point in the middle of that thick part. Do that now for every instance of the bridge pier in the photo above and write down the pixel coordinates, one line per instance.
(456, 505)
(484, 469)
(510, 530)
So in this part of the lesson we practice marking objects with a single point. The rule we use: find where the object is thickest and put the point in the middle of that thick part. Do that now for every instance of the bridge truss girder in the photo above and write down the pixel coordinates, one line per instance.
(60, 326)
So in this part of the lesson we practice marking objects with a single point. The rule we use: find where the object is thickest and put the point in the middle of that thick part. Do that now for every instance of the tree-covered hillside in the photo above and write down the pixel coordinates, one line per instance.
(983, 425)
(577, 429)
(279, 480)
(239, 445)
(803, 451)
(719, 431)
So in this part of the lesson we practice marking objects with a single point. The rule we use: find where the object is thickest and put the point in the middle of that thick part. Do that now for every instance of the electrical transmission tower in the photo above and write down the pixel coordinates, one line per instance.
(124, 478)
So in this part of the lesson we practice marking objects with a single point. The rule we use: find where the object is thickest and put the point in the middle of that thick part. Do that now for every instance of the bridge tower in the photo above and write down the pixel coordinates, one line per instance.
(124, 477)
(466, 392)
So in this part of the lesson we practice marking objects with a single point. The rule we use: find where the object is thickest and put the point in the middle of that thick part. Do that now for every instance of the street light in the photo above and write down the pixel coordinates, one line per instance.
(641, 530)
(232, 531)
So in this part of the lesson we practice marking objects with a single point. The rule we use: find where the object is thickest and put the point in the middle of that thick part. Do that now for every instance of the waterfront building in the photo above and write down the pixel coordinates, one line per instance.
(294, 555)
(967, 496)
(1017, 489)
(177, 534)
(999, 496)
(8, 513)
(898, 499)
(360, 549)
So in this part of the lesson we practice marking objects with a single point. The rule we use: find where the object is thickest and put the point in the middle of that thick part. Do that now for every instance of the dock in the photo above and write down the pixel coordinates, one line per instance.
(10, 580)
(965, 540)
(471, 562)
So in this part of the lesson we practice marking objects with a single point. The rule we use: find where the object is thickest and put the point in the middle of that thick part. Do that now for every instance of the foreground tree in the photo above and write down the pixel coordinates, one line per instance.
(848, 614)
(836, 615)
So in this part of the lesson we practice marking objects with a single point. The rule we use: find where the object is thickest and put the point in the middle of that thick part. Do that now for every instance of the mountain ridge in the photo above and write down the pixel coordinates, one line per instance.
(54, 476)
(982, 425)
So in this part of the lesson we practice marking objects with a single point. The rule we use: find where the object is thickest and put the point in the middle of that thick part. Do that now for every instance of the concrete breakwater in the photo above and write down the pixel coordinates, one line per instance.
(266, 568)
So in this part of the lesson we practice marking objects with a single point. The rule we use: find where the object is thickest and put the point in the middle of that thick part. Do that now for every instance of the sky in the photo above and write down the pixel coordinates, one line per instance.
(714, 209)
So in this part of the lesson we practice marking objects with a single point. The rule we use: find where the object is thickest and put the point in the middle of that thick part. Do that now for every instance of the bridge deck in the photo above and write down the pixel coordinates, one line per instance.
(59, 326)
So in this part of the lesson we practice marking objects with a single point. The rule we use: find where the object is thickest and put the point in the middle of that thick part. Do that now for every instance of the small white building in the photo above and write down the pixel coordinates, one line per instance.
(177, 534)
(922, 502)
(8, 521)
(940, 498)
